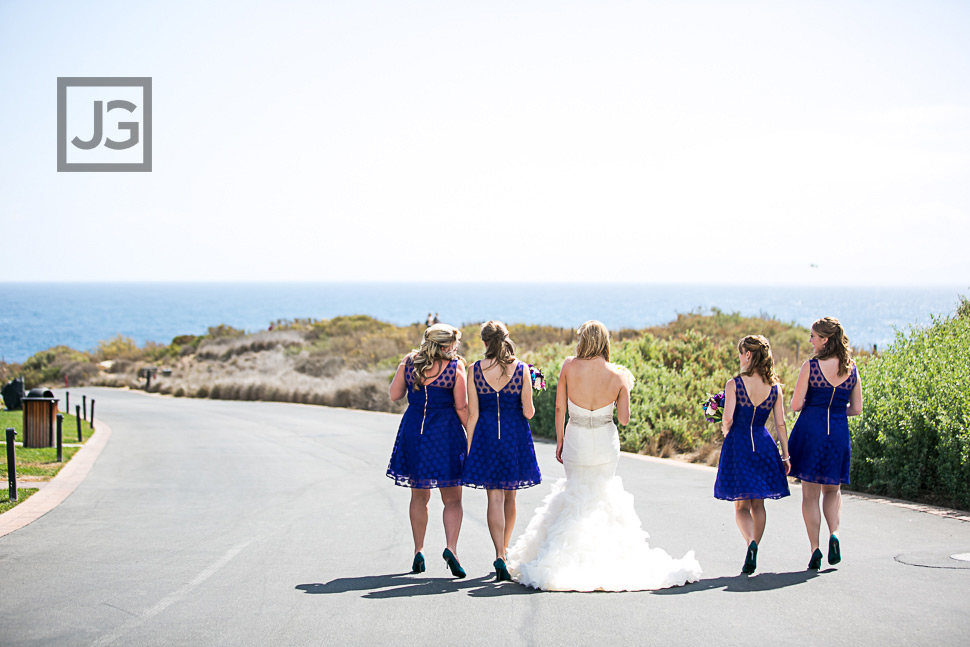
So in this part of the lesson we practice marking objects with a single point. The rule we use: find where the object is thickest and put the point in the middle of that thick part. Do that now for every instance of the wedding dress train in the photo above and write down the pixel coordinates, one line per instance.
(586, 535)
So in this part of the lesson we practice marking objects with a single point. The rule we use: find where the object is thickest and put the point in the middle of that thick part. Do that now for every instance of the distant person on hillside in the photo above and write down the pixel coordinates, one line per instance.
(750, 469)
(431, 445)
(435, 320)
(430, 320)
(501, 456)
(827, 392)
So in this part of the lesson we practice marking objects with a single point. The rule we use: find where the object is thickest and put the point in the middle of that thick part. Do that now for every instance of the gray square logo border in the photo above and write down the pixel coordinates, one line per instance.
(64, 82)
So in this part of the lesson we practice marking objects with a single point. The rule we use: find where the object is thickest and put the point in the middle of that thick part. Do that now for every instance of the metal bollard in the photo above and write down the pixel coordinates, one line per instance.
(67, 404)
(77, 416)
(60, 438)
(11, 463)
(84, 399)
(92, 413)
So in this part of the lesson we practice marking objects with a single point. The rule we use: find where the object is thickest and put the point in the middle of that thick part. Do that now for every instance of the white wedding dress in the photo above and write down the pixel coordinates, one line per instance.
(586, 535)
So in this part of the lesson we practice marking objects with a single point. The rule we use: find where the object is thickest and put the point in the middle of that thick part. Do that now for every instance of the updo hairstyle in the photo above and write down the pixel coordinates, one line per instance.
(498, 346)
(434, 345)
(762, 364)
(836, 342)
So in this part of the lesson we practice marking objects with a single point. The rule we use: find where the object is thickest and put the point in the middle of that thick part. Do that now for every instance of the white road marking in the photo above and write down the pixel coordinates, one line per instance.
(173, 597)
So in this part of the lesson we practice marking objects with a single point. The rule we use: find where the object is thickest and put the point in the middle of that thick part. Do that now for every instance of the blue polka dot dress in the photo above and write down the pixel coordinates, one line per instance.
(819, 444)
(750, 466)
(429, 451)
(502, 455)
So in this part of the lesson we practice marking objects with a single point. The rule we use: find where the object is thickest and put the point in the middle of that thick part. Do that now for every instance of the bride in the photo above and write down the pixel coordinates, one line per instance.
(586, 536)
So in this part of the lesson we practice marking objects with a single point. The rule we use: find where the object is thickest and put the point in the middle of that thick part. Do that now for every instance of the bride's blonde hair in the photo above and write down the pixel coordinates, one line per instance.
(434, 346)
(594, 340)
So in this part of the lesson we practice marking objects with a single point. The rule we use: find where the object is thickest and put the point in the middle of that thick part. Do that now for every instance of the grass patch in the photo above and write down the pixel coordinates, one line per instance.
(38, 461)
(15, 419)
(22, 495)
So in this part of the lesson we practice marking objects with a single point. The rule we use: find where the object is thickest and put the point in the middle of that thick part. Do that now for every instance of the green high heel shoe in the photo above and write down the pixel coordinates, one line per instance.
(417, 566)
(750, 559)
(453, 564)
(835, 551)
(501, 571)
(816, 562)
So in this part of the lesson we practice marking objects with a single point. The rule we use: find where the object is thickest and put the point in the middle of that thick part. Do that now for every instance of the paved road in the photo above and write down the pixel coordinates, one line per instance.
(234, 523)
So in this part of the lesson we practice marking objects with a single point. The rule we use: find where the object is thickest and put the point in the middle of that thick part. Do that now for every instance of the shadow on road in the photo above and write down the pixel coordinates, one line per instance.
(746, 583)
(403, 585)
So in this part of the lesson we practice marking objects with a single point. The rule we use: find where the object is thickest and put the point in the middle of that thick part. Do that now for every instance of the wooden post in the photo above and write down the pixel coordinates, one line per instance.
(11, 463)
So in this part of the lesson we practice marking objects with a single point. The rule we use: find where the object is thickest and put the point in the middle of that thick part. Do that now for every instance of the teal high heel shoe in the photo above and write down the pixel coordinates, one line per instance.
(453, 564)
(835, 551)
(750, 559)
(417, 566)
(501, 572)
(816, 562)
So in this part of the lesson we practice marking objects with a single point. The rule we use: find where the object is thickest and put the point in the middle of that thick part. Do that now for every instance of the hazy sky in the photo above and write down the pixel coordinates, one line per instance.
(564, 141)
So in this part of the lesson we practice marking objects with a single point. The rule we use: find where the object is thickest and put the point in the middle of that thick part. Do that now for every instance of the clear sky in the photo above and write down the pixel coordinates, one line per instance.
(525, 140)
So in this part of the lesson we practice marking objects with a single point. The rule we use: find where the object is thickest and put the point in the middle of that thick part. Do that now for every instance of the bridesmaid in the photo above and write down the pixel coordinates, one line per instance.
(430, 447)
(501, 457)
(750, 469)
(827, 392)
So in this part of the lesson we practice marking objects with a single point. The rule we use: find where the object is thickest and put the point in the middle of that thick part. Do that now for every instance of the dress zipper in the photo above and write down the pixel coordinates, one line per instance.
(425, 413)
(498, 403)
(828, 415)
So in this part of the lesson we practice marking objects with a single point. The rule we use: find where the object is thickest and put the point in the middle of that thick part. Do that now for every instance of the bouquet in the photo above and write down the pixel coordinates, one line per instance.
(714, 407)
(538, 379)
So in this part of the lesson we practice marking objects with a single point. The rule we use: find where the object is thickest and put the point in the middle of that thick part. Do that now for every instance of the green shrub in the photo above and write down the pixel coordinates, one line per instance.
(913, 439)
(675, 372)
(48, 367)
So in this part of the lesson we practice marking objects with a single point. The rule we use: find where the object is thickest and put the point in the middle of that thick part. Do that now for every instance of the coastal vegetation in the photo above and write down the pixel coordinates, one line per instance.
(913, 440)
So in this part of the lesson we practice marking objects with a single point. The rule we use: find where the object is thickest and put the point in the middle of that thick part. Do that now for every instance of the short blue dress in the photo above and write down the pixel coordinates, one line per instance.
(820, 445)
(502, 455)
(429, 451)
(750, 466)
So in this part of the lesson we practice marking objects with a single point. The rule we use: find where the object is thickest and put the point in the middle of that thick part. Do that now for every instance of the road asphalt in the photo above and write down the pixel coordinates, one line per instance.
(251, 523)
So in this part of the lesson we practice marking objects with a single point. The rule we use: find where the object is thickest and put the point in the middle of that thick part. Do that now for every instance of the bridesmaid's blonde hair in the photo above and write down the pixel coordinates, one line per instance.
(594, 340)
(434, 346)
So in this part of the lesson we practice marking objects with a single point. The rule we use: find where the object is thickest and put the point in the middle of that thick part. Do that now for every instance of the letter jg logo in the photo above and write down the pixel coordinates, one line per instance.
(104, 124)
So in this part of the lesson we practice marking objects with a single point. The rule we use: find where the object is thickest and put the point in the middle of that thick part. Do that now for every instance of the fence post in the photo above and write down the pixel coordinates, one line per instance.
(84, 399)
(60, 438)
(77, 408)
(11, 463)
(92, 413)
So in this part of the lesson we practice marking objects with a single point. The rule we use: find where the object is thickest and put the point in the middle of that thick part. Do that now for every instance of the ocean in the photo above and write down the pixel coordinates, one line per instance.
(37, 316)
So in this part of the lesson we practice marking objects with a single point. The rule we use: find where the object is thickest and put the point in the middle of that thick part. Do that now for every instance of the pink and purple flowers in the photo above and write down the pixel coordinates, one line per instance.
(714, 407)
(538, 379)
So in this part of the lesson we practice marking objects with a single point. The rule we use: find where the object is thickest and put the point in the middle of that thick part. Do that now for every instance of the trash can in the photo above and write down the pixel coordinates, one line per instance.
(40, 414)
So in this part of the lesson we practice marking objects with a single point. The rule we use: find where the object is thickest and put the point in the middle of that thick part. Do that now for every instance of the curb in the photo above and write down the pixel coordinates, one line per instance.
(60, 487)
